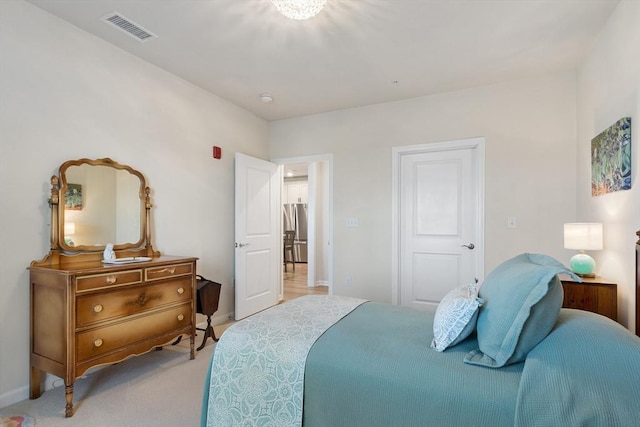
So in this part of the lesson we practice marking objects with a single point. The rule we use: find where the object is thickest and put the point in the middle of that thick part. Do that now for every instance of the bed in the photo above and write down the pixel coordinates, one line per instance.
(507, 355)
(638, 284)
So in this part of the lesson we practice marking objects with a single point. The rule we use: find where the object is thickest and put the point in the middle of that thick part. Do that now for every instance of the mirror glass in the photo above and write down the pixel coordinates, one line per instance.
(100, 203)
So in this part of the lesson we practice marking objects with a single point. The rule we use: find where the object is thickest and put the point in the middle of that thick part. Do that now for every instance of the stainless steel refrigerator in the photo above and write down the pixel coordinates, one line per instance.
(295, 218)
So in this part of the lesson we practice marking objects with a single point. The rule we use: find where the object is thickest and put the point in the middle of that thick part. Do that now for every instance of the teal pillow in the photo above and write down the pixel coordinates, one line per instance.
(455, 317)
(522, 300)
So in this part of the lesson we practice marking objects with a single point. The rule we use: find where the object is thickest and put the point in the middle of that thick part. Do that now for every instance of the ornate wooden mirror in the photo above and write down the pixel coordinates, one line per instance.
(95, 202)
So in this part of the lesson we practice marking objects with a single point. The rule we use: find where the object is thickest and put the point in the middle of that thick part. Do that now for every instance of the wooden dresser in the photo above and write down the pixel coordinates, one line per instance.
(88, 314)
(597, 295)
(102, 293)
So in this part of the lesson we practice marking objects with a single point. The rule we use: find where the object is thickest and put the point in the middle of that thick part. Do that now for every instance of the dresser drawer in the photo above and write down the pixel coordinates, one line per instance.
(167, 271)
(93, 308)
(97, 342)
(104, 280)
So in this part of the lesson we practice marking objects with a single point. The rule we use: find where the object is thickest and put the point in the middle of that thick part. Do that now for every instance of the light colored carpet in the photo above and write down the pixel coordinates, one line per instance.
(160, 388)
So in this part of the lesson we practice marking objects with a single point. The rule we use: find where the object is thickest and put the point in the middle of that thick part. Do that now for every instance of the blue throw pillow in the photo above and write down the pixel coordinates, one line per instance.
(522, 299)
(455, 317)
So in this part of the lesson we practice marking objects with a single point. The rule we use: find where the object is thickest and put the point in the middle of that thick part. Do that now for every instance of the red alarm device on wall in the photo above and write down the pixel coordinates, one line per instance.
(217, 152)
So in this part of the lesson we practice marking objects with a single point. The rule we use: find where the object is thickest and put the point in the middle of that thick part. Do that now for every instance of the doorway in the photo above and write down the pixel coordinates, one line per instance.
(294, 284)
(307, 203)
(438, 218)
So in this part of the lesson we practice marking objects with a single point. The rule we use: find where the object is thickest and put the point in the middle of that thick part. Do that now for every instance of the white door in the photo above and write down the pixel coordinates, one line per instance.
(439, 219)
(258, 253)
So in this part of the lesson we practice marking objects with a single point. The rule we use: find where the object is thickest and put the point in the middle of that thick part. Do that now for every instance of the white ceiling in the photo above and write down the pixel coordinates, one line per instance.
(354, 53)
(296, 170)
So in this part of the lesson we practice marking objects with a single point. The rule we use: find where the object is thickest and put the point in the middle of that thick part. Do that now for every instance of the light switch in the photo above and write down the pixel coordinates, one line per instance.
(351, 222)
(511, 222)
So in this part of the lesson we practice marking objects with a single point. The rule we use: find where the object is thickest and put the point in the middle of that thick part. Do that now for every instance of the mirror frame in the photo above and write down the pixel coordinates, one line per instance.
(57, 203)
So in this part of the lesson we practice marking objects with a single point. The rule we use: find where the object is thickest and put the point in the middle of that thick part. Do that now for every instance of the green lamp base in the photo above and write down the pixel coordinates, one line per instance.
(583, 265)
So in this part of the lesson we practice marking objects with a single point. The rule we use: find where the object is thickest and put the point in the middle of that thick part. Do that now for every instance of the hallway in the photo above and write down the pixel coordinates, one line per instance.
(295, 283)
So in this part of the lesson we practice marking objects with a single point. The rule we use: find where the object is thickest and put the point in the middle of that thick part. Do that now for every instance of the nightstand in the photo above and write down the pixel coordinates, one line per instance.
(593, 294)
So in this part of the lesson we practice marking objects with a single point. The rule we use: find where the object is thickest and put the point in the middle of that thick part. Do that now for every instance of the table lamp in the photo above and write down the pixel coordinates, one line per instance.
(69, 230)
(583, 236)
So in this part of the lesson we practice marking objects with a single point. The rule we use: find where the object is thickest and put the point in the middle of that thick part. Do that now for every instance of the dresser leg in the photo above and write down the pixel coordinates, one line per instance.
(34, 381)
(192, 345)
(68, 394)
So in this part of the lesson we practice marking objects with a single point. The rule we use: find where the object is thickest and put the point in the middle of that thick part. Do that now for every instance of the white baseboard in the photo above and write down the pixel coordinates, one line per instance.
(22, 393)
(223, 318)
(14, 396)
(215, 320)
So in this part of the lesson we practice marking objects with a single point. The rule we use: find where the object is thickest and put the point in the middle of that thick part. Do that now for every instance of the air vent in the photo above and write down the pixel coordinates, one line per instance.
(129, 27)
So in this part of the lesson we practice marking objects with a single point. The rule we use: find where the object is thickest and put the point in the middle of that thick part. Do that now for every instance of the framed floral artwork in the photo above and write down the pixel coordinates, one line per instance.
(611, 159)
(73, 197)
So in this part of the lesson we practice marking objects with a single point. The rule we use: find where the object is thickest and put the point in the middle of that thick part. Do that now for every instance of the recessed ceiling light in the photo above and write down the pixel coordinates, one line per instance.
(266, 98)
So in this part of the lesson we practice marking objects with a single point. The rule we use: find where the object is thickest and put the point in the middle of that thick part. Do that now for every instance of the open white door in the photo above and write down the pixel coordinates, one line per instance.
(258, 235)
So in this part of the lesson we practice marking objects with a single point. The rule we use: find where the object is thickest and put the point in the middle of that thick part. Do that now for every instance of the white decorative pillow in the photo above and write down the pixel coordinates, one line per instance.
(455, 317)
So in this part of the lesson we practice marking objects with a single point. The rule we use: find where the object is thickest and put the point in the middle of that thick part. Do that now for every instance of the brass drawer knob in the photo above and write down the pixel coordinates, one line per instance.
(181, 290)
(111, 280)
(97, 342)
(97, 308)
(180, 317)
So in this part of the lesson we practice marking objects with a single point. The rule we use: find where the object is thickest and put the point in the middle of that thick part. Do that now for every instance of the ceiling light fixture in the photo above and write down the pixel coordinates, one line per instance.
(266, 98)
(299, 9)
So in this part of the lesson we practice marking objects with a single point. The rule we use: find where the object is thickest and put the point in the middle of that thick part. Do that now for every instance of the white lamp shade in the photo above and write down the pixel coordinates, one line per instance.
(69, 228)
(583, 236)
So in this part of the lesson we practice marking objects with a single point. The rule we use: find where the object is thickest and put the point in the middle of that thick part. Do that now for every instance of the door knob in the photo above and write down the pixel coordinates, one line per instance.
(239, 245)
(469, 246)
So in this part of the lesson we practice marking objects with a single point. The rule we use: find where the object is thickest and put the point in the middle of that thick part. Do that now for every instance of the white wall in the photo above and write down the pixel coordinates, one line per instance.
(530, 131)
(66, 94)
(608, 90)
(323, 237)
(96, 222)
(318, 213)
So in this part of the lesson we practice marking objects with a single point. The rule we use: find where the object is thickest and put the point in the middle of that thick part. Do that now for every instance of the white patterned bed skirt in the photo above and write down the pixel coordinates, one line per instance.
(258, 365)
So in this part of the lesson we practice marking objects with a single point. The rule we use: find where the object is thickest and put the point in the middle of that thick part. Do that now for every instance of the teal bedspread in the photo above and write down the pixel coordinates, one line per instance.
(375, 368)
(585, 373)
